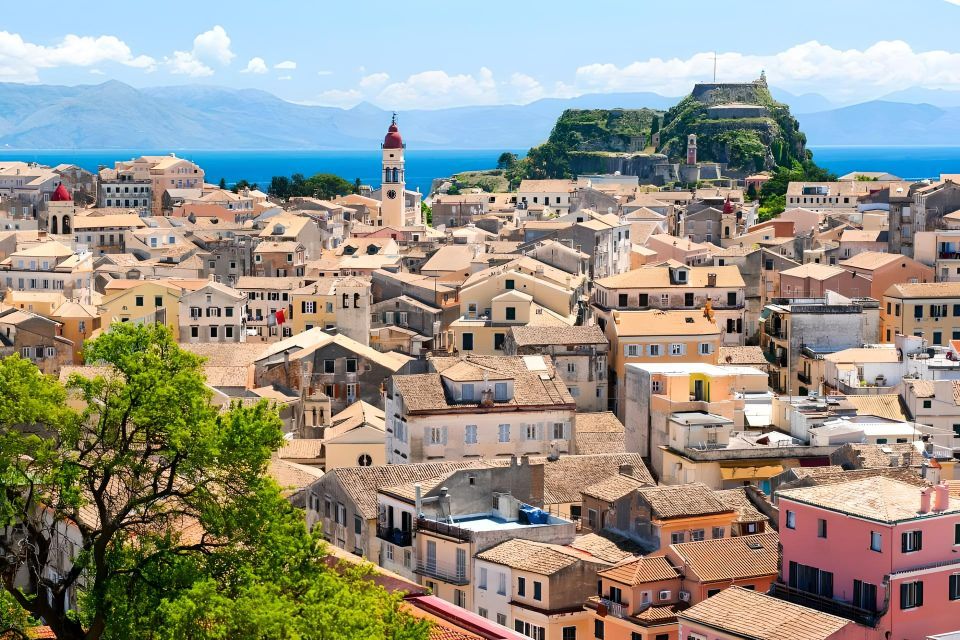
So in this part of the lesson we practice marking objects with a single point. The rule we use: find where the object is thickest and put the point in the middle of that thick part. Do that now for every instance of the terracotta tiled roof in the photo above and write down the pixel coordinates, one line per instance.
(737, 499)
(886, 405)
(730, 558)
(741, 355)
(607, 546)
(880, 499)
(565, 478)
(663, 323)
(599, 432)
(301, 449)
(537, 335)
(924, 290)
(869, 260)
(535, 557)
(659, 278)
(640, 571)
(682, 500)
(748, 614)
(613, 488)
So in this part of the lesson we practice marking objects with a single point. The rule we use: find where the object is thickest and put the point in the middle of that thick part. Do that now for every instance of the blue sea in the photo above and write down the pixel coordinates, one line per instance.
(425, 165)
(259, 166)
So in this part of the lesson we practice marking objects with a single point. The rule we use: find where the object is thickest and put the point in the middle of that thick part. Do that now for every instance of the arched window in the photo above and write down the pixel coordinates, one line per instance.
(356, 300)
(53, 225)
(386, 174)
(364, 460)
(346, 300)
(396, 175)
(66, 224)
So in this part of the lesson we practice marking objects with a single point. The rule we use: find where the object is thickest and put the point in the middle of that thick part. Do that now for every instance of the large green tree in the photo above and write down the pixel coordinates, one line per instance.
(175, 529)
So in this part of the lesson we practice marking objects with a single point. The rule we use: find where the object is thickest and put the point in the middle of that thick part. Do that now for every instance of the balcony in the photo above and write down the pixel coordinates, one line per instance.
(824, 604)
(394, 536)
(772, 358)
(451, 574)
(804, 378)
(779, 333)
(444, 529)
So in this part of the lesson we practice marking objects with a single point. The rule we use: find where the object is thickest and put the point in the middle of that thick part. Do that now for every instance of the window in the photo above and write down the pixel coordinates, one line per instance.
(697, 535)
(911, 541)
(500, 392)
(927, 404)
(139, 301)
(622, 300)
(568, 633)
(678, 349)
(654, 350)
(559, 432)
(956, 534)
(917, 311)
(508, 284)
(521, 586)
(537, 590)
(811, 579)
(357, 525)
(158, 301)
(341, 514)
(194, 332)
(467, 342)
(592, 517)
(470, 434)
(821, 528)
(436, 435)
(511, 313)
(598, 629)
(460, 597)
(616, 595)
(328, 366)
(228, 332)
(677, 537)
(503, 434)
(655, 386)
(704, 348)
(351, 365)
(502, 584)
(955, 586)
(688, 299)
(482, 580)
(499, 339)
(717, 532)
(876, 541)
(791, 520)
(502, 619)
(482, 612)
(466, 392)
(911, 595)
(213, 331)
(530, 432)
(632, 350)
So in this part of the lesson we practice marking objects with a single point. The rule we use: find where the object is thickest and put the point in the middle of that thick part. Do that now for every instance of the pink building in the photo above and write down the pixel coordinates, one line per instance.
(882, 552)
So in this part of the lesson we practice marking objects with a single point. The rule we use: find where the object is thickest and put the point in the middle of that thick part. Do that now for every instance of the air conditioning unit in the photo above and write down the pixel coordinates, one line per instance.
(684, 596)
(665, 594)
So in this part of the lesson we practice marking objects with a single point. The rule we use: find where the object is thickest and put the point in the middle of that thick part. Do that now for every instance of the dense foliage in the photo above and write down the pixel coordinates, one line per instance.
(324, 186)
(176, 529)
(773, 193)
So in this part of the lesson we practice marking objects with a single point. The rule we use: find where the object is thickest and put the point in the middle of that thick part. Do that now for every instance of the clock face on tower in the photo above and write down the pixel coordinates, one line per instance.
(391, 194)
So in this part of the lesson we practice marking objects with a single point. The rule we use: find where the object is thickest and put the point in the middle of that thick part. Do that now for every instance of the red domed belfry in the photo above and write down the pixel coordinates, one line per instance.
(392, 192)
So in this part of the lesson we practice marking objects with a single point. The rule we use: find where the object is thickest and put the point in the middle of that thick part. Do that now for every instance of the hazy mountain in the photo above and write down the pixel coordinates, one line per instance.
(116, 115)
(919, 95)
(883, 123)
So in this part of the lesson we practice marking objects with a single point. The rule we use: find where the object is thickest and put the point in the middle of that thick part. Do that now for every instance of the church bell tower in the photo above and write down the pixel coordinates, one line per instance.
(392, 207)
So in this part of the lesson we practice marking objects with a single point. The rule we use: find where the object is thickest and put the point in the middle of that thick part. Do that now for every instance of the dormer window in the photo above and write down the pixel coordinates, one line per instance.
(466, 392)
(681, 275)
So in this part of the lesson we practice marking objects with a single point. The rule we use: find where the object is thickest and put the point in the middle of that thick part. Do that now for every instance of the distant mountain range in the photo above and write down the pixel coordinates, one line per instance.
(116, 115)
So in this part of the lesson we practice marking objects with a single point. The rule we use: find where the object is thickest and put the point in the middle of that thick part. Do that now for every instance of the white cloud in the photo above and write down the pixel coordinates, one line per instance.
(286, 64)
(20, 61)
(284, 77)
(97, 72)
(213, 45)
(436, 89)
(256, 65)
(527, 87)
(811, 66)
(209, 47)
(374, 80)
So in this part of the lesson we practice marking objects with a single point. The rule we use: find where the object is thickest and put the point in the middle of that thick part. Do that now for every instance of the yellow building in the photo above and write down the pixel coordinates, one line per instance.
(927, 309)
(657, 336)
(313, 306)
(146, 301)
(39, 302)
(355, 438)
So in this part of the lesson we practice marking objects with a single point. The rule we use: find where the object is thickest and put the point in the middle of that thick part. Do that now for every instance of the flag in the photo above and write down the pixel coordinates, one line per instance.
(280, 317)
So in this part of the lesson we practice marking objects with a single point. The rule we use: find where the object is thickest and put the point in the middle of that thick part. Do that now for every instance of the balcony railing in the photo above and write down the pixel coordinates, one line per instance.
(615, 609)
(451, 574)
(394, 536)
(804, 378)
(825, 604)
(444, 529)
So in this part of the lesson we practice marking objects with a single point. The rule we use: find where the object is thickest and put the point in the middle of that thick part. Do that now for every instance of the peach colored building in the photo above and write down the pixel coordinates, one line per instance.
(813, 280)
(879, 551)
(164, 172)
(886, 269)
(638, 601)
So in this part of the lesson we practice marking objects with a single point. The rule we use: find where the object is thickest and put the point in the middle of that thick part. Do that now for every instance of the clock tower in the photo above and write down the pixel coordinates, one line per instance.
(392, 203)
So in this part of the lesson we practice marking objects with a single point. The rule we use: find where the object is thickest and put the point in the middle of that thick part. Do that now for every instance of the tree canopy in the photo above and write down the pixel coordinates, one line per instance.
(175, 529)
(320, 185)
(773, 192)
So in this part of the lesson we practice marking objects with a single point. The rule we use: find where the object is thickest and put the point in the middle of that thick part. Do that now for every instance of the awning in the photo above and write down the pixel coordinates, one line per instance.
(750, 473)
(765, 313)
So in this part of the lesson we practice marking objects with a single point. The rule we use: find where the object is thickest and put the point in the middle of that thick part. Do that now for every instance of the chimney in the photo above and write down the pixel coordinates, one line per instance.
(941, 497)
(626, 470)
(925, 496)
(418, 499)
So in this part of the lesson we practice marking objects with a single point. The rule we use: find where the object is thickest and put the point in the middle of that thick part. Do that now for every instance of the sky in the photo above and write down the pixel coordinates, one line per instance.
(425, 54)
